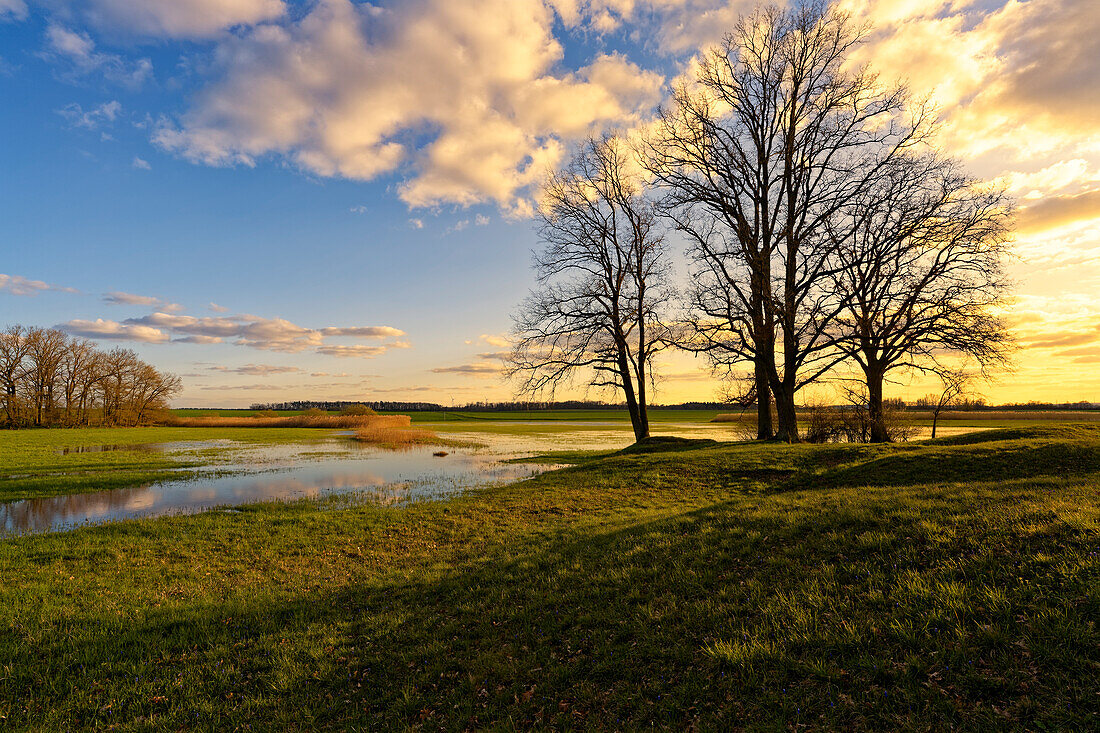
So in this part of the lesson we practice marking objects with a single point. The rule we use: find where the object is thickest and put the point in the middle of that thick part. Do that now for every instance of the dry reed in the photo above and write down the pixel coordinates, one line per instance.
(394, 431)
(350, 422)
(387, 430)
(733, 417)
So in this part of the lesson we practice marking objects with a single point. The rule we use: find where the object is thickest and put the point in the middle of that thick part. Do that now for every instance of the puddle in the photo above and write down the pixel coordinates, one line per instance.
(141, 447)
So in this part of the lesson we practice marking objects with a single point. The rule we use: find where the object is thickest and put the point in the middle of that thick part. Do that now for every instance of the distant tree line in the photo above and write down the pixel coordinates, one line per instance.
(479, 406)
(826, 235)
(51, 379)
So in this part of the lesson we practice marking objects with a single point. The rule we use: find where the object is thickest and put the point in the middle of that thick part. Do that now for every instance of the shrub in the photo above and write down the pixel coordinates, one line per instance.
(357, 410)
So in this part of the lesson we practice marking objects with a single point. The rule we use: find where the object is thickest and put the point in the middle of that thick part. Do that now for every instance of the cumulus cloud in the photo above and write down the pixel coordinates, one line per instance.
(114, 331)
(19, 285)
(353, 91)
(77, 51)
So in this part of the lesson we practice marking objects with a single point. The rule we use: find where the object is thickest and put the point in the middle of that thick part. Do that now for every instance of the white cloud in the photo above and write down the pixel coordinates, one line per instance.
(268, 334)
(12, 10)
(180, 18)
(19, 285)
(198, 340)
(116, 297)
(114, 331)
(256, 369)
(77, 50)
(101, 115)
(217, 308)
(500, 341)
(119, 298)
(359, 351)
(474, 370)
(348, 90)
(141, 164)
(369, 332)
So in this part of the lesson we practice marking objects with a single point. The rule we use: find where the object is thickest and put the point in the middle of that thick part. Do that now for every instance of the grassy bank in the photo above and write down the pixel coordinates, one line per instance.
(729, 586)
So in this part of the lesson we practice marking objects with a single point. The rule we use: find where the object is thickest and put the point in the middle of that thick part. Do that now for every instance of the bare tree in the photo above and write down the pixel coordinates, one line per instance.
(775, 139)
(920, 275)
(48, 377)
(956, 383)
(14, 348)
(602, 282)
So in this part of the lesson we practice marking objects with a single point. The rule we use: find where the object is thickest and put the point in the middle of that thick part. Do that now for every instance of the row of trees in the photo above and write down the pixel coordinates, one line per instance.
(48, 378)
(826, 234)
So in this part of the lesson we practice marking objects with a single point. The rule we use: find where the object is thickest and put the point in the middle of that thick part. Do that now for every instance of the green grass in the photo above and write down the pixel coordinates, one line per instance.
(926, 587)
(31, 464)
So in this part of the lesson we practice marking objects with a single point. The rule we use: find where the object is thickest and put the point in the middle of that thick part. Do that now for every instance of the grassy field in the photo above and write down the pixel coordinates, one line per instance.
(924, 586)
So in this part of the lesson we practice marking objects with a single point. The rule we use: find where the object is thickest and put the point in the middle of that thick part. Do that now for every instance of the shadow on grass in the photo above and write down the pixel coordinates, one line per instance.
(938, 465)
(851, 611)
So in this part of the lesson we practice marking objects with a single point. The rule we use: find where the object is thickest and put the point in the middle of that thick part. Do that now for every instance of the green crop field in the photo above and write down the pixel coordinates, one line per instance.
(927, 586)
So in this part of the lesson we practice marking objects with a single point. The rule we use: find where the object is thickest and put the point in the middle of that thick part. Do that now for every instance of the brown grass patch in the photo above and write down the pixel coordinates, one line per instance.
(394, 431)
(732, 417)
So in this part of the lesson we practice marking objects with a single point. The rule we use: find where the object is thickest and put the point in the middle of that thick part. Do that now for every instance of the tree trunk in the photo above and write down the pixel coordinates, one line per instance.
(764, 430)
(641, 429)
(636, 420)
(875, 415)
(788, 418)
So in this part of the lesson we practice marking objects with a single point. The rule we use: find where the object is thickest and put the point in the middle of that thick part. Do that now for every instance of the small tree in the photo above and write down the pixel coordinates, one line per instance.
(955, 384)
(602, 282)
(919, 271)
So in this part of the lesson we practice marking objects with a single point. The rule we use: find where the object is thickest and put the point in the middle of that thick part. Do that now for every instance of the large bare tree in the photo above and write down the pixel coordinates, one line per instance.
(601, 281)
(775, 137)
(920, 274)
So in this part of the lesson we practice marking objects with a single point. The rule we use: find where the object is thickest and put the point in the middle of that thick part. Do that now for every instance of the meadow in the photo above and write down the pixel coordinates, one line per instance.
(953, 583)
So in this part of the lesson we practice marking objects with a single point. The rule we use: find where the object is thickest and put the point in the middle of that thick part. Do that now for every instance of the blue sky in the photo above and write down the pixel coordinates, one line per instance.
(329, 164)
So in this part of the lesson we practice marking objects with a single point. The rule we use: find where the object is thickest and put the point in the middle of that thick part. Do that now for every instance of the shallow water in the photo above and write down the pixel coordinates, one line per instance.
(282, 472)
(250, 472)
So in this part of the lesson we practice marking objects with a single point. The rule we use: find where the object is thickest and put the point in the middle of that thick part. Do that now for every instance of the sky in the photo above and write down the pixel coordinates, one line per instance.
(330, 199)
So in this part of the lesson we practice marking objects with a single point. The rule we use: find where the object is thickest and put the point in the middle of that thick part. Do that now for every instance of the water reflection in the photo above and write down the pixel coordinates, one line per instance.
(275, 473)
